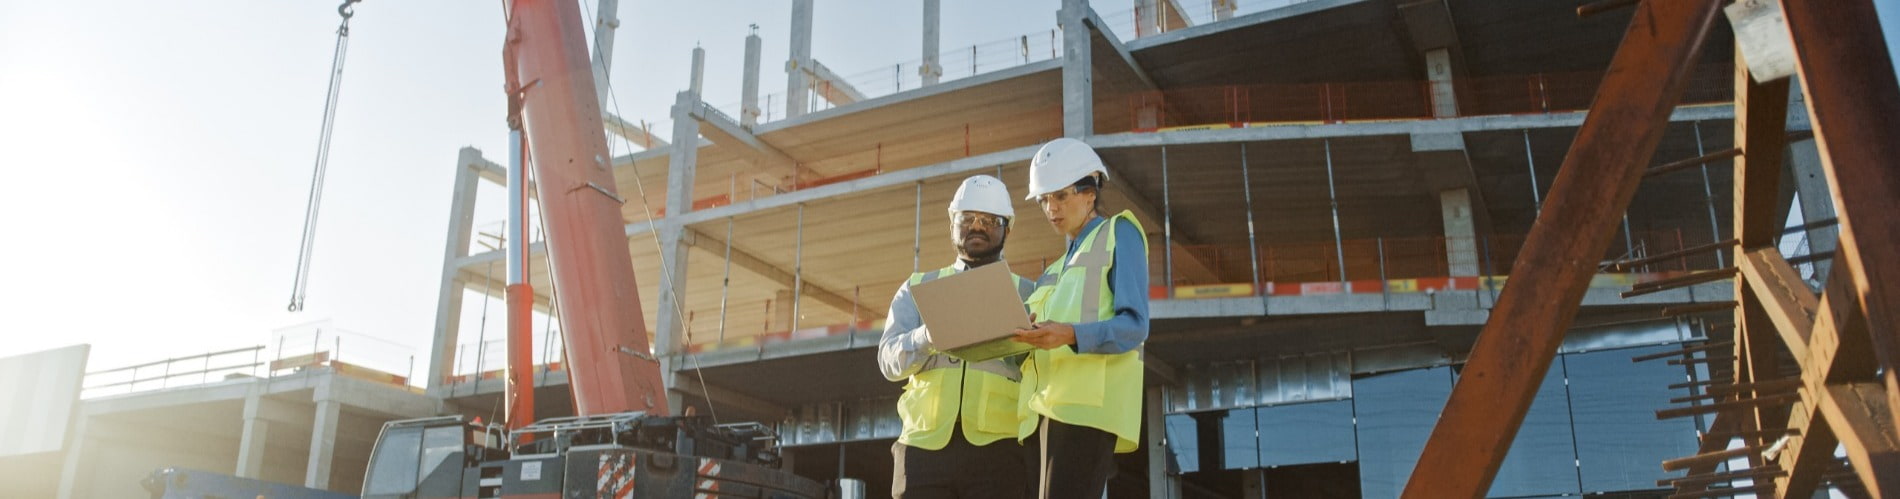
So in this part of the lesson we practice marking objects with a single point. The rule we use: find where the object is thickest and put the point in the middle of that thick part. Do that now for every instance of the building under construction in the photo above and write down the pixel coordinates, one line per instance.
(1673, 264)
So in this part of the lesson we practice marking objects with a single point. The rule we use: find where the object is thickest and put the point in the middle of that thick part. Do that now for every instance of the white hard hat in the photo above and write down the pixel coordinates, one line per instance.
(982, 193)
(1060, 163)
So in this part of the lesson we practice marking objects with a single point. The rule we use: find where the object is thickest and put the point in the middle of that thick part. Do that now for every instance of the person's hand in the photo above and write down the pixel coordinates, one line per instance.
(1046, 335)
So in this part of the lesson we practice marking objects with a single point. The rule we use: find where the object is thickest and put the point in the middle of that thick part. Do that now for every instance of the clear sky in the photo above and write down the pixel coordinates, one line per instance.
(160, 152)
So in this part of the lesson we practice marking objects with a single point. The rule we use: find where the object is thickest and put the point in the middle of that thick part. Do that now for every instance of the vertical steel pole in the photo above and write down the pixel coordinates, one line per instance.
(917, 238)
(1253, 248)
(1167, 225)
(1629, 241)
(1332, 194)
(1537, 198)
(1385, 288)
(725, 290)
(1708, 198)
(798, 264)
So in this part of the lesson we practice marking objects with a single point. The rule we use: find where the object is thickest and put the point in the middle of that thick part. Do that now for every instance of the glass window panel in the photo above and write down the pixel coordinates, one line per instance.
(1543, 456)
(393, 469)
(1240, 447)
(1182, 446)
(1396, 412)
(438, 445)
(1613, 402)
(1317, 432)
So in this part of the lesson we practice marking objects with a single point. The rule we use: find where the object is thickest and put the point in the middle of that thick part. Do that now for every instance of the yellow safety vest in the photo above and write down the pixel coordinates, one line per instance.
(982, 394)
(1084, 389)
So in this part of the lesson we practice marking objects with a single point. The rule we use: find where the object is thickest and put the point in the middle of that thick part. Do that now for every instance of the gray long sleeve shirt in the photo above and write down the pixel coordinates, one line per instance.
(905, 348)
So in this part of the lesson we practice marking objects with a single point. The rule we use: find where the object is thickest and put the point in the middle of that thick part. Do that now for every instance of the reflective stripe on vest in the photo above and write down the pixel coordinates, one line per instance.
(984, 394)
(1094, 390)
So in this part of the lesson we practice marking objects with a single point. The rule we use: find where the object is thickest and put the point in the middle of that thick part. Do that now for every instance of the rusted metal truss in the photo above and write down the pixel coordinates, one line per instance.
(1786, 418)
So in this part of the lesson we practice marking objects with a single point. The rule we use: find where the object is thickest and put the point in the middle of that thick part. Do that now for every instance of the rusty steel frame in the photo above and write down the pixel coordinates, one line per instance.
(1845, 341)
(1844, 338)
(1594, 186)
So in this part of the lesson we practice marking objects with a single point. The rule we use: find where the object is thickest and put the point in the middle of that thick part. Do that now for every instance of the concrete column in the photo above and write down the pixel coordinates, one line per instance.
(749, 87)
(1078, 87)
(797, 84)
(1148, 18)
(1154, 409)
(606, 20)
(699, 72)
(931, 70)
(681, 167)
(448, 312)
(70, 485)
(1461, 234)
(1253, 484)
(1817, 202)
(1438, 71)
(322, 439)
(1224, 9)
(251, 443)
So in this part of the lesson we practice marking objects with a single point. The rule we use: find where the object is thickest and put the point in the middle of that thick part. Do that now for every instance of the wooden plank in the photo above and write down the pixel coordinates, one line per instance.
(1854, 100)
(1593, 188)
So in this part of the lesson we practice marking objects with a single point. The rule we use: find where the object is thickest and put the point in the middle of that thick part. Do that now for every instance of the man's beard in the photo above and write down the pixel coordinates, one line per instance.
(995, 250)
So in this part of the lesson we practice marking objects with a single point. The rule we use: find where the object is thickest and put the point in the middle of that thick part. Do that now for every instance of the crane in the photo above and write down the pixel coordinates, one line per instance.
(623, 441)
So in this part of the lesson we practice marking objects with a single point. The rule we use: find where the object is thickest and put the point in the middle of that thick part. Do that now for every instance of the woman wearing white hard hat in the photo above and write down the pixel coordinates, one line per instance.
(960, 418)
(1083, 383)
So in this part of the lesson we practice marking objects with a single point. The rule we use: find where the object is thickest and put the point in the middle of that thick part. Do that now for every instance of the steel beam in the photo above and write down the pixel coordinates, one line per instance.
(1854, 100)
(1594, 186)
(1760, 121)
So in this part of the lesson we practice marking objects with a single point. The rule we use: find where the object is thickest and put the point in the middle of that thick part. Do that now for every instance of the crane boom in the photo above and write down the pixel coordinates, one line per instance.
(545, 56)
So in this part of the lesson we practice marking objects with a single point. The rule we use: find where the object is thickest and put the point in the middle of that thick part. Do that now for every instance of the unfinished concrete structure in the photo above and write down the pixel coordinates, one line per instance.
(1335, 191)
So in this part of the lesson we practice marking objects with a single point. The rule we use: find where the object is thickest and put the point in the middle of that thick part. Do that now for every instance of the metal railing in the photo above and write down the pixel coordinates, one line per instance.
(175, 372)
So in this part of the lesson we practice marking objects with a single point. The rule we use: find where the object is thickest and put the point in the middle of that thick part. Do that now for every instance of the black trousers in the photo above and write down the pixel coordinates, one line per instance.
(1076, 461)
(961, 470)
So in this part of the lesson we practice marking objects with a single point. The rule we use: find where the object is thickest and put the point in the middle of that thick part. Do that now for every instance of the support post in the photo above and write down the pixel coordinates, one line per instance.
(1078, 81)
(932, 70)
(697, 85)
(1160, 485)
(681, 166)
(1461, 234)
(606, 20)
(749, 87)
(1332, 196)
(797, 81)
(448, 312)
(1599, 177)
(322, 439)
(1253, 245)
(1851, 91)
(252, 441)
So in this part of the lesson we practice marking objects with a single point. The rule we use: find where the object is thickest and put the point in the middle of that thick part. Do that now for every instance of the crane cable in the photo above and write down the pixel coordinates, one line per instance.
(302, 281)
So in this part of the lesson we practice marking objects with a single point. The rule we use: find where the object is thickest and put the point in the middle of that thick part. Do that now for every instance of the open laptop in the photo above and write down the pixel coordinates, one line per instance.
(972, 315)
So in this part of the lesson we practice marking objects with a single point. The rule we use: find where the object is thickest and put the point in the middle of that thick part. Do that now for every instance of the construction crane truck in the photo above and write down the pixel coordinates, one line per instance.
(623, 442)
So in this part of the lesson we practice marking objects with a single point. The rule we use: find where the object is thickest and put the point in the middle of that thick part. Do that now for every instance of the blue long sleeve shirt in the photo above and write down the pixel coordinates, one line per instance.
(1128, 281)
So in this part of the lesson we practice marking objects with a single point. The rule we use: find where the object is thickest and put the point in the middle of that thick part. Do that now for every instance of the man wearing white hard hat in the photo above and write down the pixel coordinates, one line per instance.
(961, 419)
(1084, 380)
